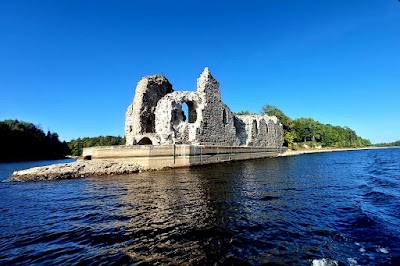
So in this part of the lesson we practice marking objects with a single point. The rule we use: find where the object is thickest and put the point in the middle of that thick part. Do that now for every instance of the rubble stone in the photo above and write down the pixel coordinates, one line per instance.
(76, 169)
(156, 117)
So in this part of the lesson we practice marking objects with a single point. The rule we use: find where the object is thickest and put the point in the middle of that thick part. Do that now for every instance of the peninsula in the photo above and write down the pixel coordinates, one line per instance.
(159, 134)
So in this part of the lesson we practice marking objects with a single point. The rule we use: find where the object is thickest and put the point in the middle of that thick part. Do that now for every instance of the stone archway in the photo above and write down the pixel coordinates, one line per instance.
(178, 117)
(145, 141)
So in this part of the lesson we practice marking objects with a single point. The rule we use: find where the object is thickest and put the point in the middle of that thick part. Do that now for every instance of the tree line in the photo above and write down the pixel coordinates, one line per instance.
(76, 145)
(389, 144)
(22, 141)
(303, 130)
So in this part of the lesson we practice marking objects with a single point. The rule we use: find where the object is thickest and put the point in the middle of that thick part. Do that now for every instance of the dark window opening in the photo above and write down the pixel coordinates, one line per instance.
(174, 115)
(224, 117)
(87, 157)
(150, 125)
(255, 127)
(145, 141)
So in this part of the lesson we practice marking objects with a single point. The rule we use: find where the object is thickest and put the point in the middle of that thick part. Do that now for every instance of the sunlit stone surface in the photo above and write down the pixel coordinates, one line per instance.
(156, 117)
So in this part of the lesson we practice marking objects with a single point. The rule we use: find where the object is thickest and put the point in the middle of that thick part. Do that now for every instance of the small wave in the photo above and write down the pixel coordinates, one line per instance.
(380, 197)
(361, 249)
(352, 262)
(324, 262)
(382, 181)
(382, 250)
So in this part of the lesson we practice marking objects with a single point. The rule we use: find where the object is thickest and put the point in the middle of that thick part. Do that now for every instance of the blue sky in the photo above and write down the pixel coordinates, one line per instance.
(72, 66)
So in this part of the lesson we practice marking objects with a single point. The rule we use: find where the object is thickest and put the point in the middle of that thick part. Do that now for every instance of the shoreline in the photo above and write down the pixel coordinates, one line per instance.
(103, 167)
(77, 169)
(299, 152)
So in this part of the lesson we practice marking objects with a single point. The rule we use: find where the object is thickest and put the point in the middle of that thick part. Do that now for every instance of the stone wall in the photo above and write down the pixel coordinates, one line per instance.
(217, 125)
(259, 130)
(156, 117)
(140, 117)
(160, 156)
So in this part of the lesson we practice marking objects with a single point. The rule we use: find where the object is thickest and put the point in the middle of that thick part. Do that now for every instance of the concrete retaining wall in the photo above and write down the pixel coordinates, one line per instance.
(179, 155)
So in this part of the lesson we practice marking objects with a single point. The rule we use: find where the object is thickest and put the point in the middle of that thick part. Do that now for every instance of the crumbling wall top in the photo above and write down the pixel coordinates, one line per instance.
(158, 115)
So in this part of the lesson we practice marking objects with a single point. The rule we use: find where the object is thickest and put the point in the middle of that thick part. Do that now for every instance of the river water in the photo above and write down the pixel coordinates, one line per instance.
(339, 208)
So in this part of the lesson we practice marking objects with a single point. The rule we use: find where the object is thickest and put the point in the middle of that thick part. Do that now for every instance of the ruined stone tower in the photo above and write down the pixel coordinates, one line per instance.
(156, 117)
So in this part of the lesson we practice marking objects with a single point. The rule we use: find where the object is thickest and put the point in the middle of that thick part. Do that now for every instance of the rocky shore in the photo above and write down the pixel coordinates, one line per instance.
(76, 169)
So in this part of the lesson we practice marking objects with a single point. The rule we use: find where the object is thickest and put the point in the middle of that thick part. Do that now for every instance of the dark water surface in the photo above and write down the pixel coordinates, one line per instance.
(343, 207)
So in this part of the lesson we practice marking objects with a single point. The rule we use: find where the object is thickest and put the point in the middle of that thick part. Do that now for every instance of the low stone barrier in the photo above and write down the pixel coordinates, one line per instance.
(179, 155)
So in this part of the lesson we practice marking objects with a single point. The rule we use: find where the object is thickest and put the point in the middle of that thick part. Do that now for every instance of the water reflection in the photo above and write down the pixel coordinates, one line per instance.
(169, 216)
(285, 211)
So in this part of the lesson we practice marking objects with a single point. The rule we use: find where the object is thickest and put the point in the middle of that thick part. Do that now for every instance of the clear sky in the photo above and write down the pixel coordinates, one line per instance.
(72, 66)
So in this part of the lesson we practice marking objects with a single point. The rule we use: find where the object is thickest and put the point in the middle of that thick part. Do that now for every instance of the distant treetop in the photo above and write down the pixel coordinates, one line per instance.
(77, 145)
(308, 129)
(245, 112)
(21, 140)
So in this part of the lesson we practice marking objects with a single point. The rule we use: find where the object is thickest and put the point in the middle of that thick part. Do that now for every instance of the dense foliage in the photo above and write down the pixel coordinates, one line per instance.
(24, 141)
(246, 112)
(274, 111)
(77, 145)
(310, 130)
(389, 144)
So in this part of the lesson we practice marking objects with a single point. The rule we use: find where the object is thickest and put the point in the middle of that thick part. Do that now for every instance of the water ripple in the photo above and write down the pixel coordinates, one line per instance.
(337, 207)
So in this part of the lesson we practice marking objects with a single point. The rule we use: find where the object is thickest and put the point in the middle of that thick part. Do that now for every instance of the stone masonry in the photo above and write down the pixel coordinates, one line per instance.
(156, 117)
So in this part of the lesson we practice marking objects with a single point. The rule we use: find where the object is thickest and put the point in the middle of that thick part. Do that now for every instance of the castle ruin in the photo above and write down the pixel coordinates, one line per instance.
(156, 117)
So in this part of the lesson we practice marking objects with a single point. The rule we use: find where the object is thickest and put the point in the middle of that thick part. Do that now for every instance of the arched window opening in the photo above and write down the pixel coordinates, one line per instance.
(189, 112)
(145, 141)
(224, 117)
(255, 127)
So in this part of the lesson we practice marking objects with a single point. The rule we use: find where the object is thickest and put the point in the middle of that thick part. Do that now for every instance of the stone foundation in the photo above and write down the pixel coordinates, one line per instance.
(178, 155)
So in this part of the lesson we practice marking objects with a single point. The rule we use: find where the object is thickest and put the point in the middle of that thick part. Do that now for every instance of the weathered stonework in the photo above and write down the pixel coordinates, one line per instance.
(140, 120)
(156, 117)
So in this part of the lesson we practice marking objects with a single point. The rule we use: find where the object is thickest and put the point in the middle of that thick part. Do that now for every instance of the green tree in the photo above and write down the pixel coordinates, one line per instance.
(272, 110)
(245, 112)
(308, 129)
(289, 138)
(388, 144)
(21, 140)
(77, 145)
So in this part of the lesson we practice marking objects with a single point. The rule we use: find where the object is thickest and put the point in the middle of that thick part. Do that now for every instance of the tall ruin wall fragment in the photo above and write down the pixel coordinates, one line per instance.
(156, 117)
